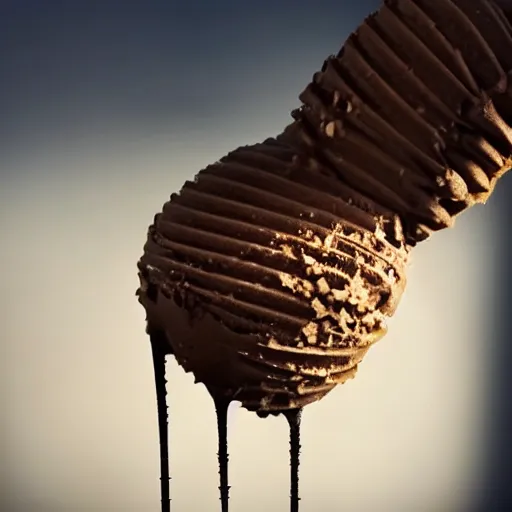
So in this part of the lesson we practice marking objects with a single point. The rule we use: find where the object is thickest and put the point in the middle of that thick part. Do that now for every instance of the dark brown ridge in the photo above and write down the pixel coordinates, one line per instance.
(409, 87)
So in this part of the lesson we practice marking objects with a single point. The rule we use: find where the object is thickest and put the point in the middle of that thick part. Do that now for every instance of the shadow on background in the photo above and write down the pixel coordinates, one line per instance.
(497, 484)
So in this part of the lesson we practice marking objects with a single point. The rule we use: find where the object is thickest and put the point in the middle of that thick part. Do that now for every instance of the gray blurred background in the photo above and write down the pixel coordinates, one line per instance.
(106, 107)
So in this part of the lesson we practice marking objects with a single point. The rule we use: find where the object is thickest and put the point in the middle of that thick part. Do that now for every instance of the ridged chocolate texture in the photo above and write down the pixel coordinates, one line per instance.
(273, 272)
(273, 253)
(421, 93)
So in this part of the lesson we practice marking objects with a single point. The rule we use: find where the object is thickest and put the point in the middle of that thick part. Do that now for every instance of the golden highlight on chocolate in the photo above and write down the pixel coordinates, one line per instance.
(271, 274)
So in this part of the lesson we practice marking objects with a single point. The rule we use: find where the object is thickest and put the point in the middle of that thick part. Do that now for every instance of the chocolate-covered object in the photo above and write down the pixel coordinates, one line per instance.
(274, 270)
(271, 274)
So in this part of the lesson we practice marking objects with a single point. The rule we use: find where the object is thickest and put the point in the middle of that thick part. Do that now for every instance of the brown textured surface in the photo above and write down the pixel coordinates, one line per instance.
(273, 271)
(281, 299)
(414, 110)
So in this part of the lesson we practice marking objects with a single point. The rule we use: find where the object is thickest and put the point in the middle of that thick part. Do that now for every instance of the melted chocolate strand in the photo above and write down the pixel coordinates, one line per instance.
(158, 346)
(221, 409)
(294, 416)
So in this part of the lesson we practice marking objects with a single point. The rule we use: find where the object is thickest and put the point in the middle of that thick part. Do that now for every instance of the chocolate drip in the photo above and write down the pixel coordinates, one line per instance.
(159, 348)
(294, 417)
(221, 410)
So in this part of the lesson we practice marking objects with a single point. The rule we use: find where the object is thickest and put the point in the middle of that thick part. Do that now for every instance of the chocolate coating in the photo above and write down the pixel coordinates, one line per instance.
(415, 109)
(273, 272)
(274, 288)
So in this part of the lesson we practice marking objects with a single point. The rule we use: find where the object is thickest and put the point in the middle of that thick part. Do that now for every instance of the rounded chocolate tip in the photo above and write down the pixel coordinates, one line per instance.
(267, 282)
(273, 272)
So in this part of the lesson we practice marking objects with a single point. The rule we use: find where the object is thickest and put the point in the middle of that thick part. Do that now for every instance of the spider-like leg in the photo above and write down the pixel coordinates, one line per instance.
(221, 409)
(160, 349)
(294, 416)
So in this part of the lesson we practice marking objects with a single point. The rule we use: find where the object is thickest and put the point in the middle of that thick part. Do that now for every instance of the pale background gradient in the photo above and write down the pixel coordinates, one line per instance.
(107, 107)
